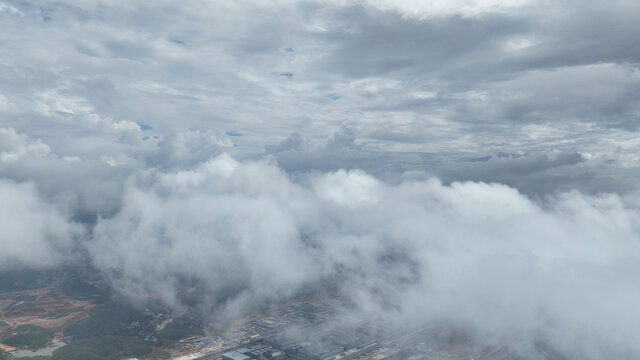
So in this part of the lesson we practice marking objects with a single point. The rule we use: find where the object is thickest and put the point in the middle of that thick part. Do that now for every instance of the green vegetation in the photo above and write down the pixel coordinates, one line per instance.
(76, 282)
(4, 355)
(80, 288)
(105, 348)
(28, 337)
(111, 320)
(61, 313)
(157, 353)
(3, 323)
(16, 280)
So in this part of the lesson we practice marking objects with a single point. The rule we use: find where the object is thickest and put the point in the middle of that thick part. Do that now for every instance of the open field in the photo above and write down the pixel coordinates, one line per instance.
(44, 308)
(76, 320)
(27, 336)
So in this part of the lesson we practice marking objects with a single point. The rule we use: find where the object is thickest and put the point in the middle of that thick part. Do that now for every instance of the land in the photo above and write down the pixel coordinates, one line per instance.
(44, 308)
(71, 317)
(78, 318)
(322, 328)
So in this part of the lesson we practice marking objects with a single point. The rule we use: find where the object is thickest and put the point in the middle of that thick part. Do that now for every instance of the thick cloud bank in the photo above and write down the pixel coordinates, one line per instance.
(476, 254)
(32, 232)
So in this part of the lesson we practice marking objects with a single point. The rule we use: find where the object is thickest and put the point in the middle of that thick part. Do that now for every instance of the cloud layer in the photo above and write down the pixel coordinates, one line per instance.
(427, 85)
(472, 161)
(32, 232)
(476, 254)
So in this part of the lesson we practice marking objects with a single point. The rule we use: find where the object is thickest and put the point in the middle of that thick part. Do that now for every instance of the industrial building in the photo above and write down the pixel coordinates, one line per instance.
(234, 355)
(262, 351)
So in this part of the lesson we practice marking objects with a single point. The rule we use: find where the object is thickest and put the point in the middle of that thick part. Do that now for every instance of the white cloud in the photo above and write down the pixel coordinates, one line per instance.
(475, 254)
(4, 7)
(14, 146)
(542, 96)
(468, 8)
(33, 233)
(6, 105)
(351, 188)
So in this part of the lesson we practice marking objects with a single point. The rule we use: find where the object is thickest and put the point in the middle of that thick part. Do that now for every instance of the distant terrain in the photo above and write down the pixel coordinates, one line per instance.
(61, 315)
(66, 316)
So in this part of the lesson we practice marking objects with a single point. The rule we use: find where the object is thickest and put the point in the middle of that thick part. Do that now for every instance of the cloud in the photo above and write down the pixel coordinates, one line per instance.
(177, 215)
(467, 160)
(295, 141)
(5, 104)
(15, 146)
(10, 9)
(188, 147)
(33, 234)
(411, 77)
(478, 255)
(419, 9)
(83, 184)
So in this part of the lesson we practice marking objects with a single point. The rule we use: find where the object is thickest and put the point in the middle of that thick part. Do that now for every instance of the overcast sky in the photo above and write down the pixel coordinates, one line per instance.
(500, 132)
(541, 95)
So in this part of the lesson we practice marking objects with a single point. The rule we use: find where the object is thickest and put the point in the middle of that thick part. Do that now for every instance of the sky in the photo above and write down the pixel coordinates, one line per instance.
(420, 157)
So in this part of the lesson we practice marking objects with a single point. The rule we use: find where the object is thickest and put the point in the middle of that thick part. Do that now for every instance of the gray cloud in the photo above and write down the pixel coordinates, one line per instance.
(407, 80)
(362, 123)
